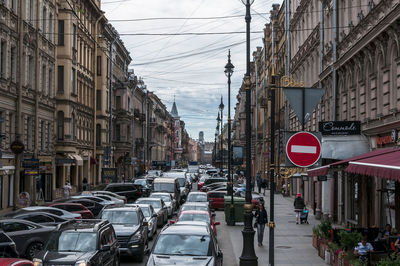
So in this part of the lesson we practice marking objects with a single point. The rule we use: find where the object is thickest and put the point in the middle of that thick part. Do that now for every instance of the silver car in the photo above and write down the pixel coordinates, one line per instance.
(169, 201)
(159, 207)
(151, 218)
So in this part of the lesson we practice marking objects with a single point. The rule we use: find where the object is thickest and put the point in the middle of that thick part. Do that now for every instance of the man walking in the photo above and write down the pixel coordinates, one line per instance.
(298, 206)
(259, 182)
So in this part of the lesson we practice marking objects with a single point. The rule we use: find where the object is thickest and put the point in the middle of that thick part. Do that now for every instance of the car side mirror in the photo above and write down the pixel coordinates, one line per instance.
(216, 223)
(154, 215)
(105, 248)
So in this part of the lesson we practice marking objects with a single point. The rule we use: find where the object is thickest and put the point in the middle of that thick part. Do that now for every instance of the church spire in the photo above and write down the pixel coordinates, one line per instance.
(174, 110)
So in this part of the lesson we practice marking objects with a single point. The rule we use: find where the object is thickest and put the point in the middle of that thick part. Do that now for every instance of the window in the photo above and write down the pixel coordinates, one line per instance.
(98, 99)
(3, 55)
(50, 30)
(73, 127)
(48, 141)
(44, 16)
(15, 227)
(73, 81)
(118, 102)
(60, 87)
(118, 132)
(44, 85)
(98, 65)
(129, 104)
(73, 36)
(13, 62)
(42, 133)
(10, 190)
(31, 72)
(11, 123)
(29, 133)
(50, 85)
(2, 129)
(98, 135)
(38, 218)
(60, 125)
(31, 11)
(60, 32)
(14, 5)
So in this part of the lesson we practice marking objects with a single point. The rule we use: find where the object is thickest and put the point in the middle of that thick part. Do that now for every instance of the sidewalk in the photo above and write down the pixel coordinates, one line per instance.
(293, 242)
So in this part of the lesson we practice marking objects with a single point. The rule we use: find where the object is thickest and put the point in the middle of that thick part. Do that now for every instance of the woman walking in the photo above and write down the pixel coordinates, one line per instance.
(261, 219)
(298, 206)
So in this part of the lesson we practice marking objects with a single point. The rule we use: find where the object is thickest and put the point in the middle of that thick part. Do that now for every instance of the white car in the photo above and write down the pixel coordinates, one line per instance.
(117, 202)
(102, 192)
(168, 200)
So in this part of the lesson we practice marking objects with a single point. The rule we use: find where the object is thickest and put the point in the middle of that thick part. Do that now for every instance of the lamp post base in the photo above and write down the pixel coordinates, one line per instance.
(248, 257)
(231, 221)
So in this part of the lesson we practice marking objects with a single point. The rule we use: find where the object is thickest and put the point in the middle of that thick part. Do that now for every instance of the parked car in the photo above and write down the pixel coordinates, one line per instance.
(8, 248)
(102, 201)
(170, 185)
(151, 218)
(74, 208)
(42, 218)
(169, 201)
(216, 199)
(197, 197)
(211, 180)
(145, 186)
(15, 262)
(109, 193)
(85, 242)
(201, 216)
(116, 202)
(131, 228)
(124, 189)
(62, 213)
(28, 237)
(92, 206)
(159, 207)
(211, 186)
(194, 245)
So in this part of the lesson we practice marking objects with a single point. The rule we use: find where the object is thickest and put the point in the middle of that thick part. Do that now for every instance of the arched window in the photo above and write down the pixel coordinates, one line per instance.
(394, 95)
(60, 125)
(98, 135)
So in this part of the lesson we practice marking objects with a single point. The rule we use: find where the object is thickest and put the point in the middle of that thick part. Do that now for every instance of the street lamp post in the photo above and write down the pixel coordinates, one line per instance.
(221, 108)
(248, 256)
(218, 122)
(228, 72)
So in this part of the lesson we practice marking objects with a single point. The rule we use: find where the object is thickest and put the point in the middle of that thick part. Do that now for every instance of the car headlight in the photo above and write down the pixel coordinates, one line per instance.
(136, 237)
(82, 263)
(37, 262)
(149, 224)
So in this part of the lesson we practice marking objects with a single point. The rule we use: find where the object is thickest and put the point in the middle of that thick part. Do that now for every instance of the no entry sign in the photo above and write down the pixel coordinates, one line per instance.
(303, 149)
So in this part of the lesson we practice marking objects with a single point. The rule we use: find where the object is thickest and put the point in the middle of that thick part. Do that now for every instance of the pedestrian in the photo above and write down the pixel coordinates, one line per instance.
(259, 182)
(264, 185)
(253, 183)
(261, 219)
(67, 189)
(298, 206)
(84, 184)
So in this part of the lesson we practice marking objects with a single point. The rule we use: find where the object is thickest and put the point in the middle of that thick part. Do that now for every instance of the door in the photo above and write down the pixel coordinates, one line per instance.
(48, 196)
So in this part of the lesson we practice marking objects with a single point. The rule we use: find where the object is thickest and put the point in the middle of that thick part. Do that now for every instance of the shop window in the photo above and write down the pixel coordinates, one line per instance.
(60, 125)
(60, 32)
(10, 202)
(353, 198)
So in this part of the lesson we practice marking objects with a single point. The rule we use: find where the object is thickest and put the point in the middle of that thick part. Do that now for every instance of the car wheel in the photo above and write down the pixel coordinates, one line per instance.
(33, 249)
(116, 261)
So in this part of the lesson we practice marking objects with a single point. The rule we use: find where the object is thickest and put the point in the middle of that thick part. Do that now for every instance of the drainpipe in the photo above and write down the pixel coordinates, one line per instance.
(111, 97)
(256, 116)
(265, 106)
(133, 130)
(334, 55)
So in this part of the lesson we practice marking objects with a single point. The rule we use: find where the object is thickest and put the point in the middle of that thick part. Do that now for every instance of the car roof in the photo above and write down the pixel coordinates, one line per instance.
(126, 208)
(66, 203)
(192, 223)
(160, 193)
(152, 199)
(140, 205)
(186, 230)
(164, 180)
(37, 213)
(119, 184)
(195, 203)
(194, 212)
(198, 193)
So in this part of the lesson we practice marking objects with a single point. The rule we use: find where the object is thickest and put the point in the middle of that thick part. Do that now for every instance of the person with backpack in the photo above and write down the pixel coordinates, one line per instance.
(298, 206)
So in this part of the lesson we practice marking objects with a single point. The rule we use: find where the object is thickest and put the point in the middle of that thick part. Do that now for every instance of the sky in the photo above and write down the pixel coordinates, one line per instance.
(178, 50)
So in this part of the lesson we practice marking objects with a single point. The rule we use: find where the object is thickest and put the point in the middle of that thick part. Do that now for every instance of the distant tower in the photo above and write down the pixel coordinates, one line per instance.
(202, 146)
(201, 137)
(177, 143)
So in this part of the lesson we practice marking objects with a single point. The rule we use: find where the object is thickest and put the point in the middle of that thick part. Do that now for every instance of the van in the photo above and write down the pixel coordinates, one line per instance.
(170, 185)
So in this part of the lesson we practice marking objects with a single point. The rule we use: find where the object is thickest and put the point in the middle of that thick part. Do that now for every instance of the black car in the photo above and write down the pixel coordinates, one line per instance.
(29, 237)
(131, 228)
(8, 248)
(42, 218)
(186, 244)
(82, 242)
(128, 190)
(93, 206)
(145, 186)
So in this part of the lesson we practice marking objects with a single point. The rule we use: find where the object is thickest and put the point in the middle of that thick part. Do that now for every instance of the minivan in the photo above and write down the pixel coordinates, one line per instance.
(170, 185)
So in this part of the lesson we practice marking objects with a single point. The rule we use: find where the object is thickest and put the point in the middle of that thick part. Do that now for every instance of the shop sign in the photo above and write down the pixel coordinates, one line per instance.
(45, 159)
(32, 172)
(340, 127)
(159, 163)
(322, 178)
(65, 161)
(45, 168)
(17, 147)
(108, 174)
(30, 163)
(388, 139)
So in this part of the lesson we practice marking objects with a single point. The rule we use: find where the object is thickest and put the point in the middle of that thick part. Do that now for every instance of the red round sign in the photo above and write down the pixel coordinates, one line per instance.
(303, 149)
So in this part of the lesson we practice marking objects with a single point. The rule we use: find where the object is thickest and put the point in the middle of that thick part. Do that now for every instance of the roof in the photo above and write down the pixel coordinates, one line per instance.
(126, 208)
(174, 110)
(198, 193)
(147, 199)
(186, 230)
(195, 212)
(164, 180)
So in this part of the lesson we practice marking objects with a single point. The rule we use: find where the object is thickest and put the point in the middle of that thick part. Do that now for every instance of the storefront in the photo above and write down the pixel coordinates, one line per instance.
(44, 182)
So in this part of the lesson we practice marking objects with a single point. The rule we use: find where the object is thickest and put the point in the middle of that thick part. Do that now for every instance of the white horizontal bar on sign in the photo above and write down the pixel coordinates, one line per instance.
(303, 149)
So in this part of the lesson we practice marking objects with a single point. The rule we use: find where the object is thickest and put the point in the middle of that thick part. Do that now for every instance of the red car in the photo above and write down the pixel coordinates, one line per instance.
(200, 216)
(74, 208)
(216, 199)
(15, 262)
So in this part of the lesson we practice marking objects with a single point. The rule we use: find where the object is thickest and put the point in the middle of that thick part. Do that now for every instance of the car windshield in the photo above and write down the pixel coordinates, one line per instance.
(194, 217)
(146, 211)
(197, 198)
(154, 203)
(194, 208)
(165, 198)
(140, 182)
(181, 182)
(168, 187)
(68, 241)
(152, 172)
(191, 245)
(120, 217)
(202, 178)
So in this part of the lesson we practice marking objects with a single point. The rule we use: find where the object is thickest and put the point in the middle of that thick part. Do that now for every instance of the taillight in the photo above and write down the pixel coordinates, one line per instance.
(79, 217)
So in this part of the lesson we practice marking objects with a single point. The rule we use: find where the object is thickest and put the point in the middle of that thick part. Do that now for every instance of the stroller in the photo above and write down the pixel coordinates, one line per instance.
(304, 216)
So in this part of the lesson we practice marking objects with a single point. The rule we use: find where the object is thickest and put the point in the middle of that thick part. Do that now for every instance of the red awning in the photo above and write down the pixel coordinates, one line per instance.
(385, 165)
(323, 170)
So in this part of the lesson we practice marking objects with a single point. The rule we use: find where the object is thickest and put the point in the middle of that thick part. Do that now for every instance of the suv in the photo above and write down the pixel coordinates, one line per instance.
(131, 228)
(128, 190)
(83, 242)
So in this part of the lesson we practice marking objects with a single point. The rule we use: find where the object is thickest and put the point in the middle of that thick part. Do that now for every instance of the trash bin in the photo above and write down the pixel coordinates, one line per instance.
(238, 203)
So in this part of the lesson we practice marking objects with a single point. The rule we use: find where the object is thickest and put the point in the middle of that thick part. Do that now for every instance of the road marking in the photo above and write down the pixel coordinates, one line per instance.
(303, 149)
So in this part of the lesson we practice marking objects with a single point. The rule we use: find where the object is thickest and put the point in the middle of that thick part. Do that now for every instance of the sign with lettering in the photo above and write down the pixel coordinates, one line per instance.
(109, 175)
(17, 147)
(340, 127)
